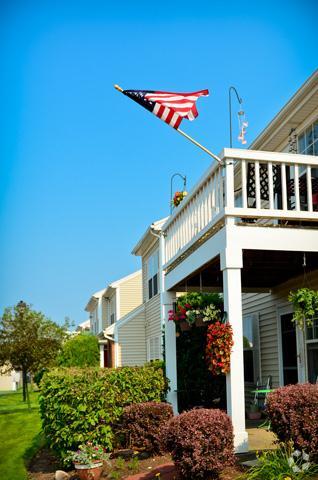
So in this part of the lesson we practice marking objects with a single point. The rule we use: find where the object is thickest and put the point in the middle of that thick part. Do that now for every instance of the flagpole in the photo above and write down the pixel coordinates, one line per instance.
(186, 136)
(199, 145)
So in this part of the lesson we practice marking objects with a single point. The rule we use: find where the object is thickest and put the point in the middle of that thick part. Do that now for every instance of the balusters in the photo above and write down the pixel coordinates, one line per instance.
(284, 186)
(296, 187)
(257, 186)
(244, 183)
(270, 185)
(309, 189)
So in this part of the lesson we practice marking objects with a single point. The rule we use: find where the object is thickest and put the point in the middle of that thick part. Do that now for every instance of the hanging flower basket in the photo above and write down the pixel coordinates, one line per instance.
(178, 197)
(218, 348)
(305, 302)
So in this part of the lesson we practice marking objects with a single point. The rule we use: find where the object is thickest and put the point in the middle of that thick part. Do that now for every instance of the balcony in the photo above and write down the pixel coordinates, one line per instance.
(250, 187)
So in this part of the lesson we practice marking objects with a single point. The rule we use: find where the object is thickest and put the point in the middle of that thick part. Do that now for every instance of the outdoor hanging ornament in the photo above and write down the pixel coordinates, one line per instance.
(243, 124)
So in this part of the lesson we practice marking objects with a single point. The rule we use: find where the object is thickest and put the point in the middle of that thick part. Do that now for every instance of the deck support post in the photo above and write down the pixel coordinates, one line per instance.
(231, 264)
(170, 349)
(101, 355)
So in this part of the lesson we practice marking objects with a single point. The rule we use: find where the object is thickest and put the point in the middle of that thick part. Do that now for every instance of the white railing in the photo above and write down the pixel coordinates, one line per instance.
(250, 184)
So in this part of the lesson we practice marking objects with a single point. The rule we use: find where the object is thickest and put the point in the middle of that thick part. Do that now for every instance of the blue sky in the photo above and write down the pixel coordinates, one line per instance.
(83, 169)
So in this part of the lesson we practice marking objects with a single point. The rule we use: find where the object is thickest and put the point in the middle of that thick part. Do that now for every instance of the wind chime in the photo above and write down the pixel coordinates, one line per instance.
(243, 124)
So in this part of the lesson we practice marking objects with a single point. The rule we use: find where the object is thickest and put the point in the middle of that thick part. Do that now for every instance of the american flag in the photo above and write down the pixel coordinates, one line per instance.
(171, 107)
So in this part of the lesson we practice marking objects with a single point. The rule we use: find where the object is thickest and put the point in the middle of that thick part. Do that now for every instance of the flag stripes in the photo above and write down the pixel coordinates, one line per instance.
(168, 106)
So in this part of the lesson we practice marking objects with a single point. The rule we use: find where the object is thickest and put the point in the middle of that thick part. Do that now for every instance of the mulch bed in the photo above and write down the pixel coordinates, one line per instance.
(44, 465)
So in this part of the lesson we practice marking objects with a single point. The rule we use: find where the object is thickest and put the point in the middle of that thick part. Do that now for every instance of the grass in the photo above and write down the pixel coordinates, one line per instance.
(19, 434)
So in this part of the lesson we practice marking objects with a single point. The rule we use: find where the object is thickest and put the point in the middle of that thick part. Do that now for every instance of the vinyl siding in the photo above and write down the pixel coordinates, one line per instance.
(153, 320)
(267, 305)
(130, 294)
(132, 341)
(152, 306)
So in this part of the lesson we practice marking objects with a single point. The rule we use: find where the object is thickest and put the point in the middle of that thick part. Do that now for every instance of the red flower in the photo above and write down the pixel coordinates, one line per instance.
(218, 347)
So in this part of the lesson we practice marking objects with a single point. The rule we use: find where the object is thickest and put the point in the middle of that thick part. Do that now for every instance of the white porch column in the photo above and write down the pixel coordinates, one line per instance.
(166, 303)
(170, 348)
(101, 355)
(231, 264)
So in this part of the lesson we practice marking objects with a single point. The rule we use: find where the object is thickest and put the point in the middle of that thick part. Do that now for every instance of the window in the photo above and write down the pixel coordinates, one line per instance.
(251, 348)
(112, 318)
(153, 349)
(308, 140)
(152, 274)
(312, 351)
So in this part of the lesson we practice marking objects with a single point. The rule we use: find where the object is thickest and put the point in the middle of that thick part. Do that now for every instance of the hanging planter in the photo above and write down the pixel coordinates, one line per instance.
(305, 303)
(197, 309)
(178, 197)
(218, 348)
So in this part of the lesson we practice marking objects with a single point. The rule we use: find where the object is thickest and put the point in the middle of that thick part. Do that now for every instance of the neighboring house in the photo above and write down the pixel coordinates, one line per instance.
(112, 312)
(84, 326)
(249, 229)
(148, 248)
(9, 380)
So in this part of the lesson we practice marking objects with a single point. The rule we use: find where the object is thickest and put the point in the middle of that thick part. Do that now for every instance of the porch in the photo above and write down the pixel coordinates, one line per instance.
(243, 228)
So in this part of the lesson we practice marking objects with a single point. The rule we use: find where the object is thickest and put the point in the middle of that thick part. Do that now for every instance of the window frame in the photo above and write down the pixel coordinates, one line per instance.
(153, 275)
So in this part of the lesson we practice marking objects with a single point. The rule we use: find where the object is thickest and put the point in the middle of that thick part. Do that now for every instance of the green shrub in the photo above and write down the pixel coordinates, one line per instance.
(80, 405)
(80, 350)
(281, 464)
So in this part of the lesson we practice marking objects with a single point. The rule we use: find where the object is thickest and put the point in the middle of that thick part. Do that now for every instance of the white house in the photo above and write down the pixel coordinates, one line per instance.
(247, 229)
(148, 248)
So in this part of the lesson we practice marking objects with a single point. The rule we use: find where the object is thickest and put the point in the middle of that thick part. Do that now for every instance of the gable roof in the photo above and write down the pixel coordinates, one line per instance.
(106, 292)
(294, 112)
(148, 238)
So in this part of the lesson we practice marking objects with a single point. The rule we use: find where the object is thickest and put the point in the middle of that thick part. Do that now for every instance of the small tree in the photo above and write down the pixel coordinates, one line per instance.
(80, 351)
(28, 341)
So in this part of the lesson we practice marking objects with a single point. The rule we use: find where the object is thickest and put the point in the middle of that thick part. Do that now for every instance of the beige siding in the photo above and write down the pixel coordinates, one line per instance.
(266, 306)
(153, 320)
(132, 341)
(130, 294)
(145, 258)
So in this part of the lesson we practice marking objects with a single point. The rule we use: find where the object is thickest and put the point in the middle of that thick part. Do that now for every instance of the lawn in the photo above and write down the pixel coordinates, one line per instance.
(19, 434)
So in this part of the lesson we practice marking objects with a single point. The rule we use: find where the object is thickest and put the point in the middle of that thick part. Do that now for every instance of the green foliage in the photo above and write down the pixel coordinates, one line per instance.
(19, 434)
(28, 340)
(199, 300)
(282, 464)
(305, 302)
(80, 405)
(80, 351)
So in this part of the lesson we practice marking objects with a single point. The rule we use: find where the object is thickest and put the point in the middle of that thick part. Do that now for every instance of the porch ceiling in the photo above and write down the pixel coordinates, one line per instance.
(262, 271)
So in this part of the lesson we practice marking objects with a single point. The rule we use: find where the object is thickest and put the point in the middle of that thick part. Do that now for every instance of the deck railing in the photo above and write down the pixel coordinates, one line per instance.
(249, 186)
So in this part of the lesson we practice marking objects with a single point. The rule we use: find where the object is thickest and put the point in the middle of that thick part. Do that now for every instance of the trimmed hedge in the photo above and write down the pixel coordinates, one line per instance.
(292, 411)
(142, 425)
(200, 442)
(80, 405)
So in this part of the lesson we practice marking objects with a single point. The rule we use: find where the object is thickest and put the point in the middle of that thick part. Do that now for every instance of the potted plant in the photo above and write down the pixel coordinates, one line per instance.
(178, 197)
(305, 302)
(211, 313)
(88, 460)
(254, 412)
